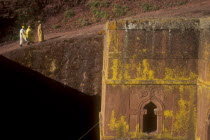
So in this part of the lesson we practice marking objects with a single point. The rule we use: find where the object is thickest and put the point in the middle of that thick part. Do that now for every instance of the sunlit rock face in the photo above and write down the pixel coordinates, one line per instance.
(75, 62)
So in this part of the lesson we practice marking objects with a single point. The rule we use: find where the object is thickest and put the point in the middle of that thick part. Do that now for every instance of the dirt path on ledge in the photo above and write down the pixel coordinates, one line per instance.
(197, 9)
(88, 30)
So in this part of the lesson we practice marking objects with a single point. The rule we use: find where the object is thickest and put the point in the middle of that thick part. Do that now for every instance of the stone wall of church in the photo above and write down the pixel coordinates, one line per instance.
(203, 106)
(150, 60)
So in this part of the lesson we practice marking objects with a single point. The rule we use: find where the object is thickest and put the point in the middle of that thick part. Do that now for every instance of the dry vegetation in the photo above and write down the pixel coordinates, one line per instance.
(64, 15)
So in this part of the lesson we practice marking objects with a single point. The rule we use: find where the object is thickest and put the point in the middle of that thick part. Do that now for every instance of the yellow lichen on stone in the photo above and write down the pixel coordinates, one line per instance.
(148, 74)
(120, 126)
(138, 71)
(181, 88)
(112, 123)
(169, 73)
(101, 32)
(137, 134)
(173, 74)
(108, 39)
(143, 71)
(198, 138)
(111, 25)
(52, 66)
(116, 70)
(126, 73)
(165, 135)
(182, 120)
(168, 88)
(144, 50)
(112, 41)
(203, 84)
(168, 113)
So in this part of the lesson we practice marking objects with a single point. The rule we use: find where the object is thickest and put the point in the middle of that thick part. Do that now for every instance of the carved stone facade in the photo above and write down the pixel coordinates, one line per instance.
(152, 66)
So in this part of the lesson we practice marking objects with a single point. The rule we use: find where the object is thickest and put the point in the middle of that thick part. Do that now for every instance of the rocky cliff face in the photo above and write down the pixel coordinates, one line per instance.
(75, 62)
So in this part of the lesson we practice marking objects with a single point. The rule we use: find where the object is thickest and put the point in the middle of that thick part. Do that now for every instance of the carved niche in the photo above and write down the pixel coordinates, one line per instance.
(158, 111)
(137, 113)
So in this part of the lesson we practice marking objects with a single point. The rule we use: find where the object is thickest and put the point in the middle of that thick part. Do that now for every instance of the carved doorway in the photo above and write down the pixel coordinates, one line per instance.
(150, 118)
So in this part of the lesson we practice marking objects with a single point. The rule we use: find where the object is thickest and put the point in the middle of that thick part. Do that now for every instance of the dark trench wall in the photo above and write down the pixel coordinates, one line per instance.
(52, 90)
(37, 107)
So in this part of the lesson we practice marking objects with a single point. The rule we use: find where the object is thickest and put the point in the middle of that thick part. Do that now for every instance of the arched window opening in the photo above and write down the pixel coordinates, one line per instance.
(150, 118)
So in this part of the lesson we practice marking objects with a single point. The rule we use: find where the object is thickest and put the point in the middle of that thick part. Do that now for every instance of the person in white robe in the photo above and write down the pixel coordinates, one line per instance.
(23, 38)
